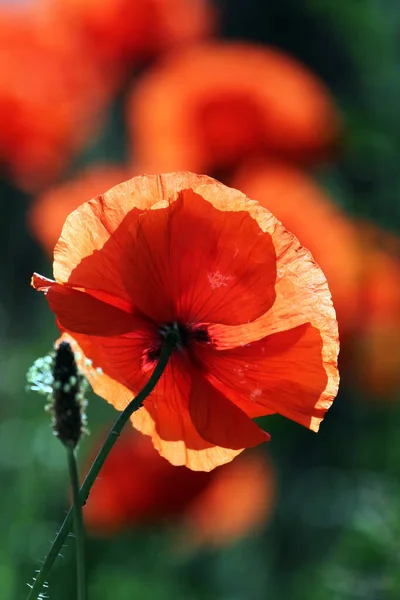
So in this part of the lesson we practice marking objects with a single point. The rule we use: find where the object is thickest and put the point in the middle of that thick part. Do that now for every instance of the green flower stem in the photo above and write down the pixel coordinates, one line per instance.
(171, 341)
(78, 526)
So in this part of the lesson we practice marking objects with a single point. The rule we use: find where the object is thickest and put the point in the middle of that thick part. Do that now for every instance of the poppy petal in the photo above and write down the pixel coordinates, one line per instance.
(80, 312)
(89, 356)
(233, 279)
(88, 253)
(122, 358)
(283, 373)
(165, 417)
(219, 421)
(104, 223)
(309, 213)
(302, 296)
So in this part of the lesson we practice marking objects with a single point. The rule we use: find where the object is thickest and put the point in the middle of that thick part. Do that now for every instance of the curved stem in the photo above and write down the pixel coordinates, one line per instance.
(78, 526)
(112, 437)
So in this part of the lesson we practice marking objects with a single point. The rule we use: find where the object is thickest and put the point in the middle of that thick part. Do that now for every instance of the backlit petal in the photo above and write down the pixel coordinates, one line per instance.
(80, 312)
(302, 296)
(308, 212)
(148, 257)
(219, 421)
(91, 225)
(165, 417)
(89, 357)
(191, 268)
(116, 367)
(283, 373)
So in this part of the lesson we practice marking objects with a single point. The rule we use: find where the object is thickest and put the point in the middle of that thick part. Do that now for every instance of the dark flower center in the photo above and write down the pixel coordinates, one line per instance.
(186, 336)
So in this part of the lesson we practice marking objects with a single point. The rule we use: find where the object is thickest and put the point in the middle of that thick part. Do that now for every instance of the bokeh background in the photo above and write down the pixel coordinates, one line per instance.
(295, 102)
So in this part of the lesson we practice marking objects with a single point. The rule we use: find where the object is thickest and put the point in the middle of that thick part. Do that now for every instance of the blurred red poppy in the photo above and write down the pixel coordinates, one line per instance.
(119, 33)
(239, 499)
(210, 107)
(306, 210)
(138, 487)
(375, 359)
(49, 210)
(257, 328)
(51, 98)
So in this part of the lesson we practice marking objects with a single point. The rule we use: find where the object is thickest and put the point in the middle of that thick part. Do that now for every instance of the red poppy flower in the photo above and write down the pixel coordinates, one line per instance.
(117, 32)
(375, 358)
(51, 99)
(210, 107)
(49, 210)
(257, 326)
(306, 210)
(238, 500)
(138, 487)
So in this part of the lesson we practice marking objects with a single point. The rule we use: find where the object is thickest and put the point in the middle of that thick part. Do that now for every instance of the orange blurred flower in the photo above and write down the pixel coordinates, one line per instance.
(119, 32)
(50, 97)
(308, 212)
(239, 499)
(138, 487)
(376, 351)
(210, 107)
(48, 211)
(253, 311)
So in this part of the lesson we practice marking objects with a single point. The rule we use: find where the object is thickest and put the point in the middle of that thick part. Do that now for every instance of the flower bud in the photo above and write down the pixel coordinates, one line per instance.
(67, 405)
(58, 377)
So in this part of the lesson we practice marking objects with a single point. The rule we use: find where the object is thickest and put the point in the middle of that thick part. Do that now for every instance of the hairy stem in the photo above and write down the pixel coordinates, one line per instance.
(114, 433)
(78, 527)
